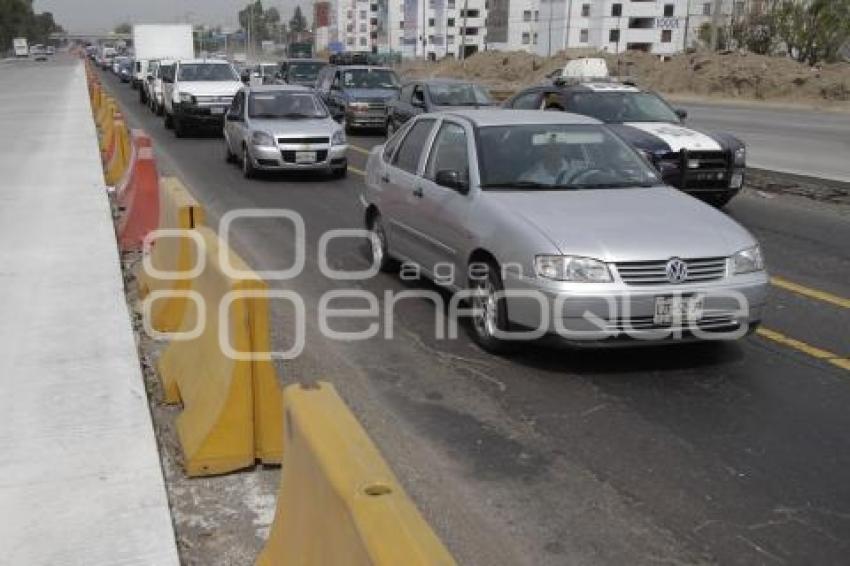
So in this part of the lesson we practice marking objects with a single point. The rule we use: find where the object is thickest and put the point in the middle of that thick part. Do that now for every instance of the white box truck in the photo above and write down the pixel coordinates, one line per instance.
(159, 41)
(21, 47)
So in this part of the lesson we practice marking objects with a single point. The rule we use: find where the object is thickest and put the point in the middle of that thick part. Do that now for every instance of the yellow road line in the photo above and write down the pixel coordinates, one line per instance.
(811, 293)
(358, 149)
(808, 349)
(357, 171)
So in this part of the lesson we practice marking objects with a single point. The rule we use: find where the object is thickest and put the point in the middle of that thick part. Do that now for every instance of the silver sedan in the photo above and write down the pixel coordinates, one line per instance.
(283, 128)
(550, 223)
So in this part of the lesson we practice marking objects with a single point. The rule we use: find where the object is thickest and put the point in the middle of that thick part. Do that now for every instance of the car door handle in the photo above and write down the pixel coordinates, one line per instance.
(418, 192)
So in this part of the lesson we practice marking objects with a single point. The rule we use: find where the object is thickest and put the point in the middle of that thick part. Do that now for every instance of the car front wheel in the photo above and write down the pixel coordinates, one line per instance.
(248, 169)
(490, 310)
(378, 246)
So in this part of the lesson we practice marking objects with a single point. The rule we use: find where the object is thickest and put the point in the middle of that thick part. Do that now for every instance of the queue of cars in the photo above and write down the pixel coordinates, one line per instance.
(573, 191)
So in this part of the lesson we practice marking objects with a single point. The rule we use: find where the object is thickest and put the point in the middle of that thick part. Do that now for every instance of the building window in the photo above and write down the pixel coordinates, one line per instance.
(451, 22)
(349, 28)
(374, 7)
(534, 38)
(616, 10)
(401, 25)
(350, 41)
(536, 16)
(362, 42)
(614, 36)
(585, 10)
(362, 28)
(350, 14)
(582, 36)
(526, 15)
(666, 36)
(431, 22)
(706, 9)
(526, 38)
(451, 5)
(450, 39)
(669, 10)
(362, 14)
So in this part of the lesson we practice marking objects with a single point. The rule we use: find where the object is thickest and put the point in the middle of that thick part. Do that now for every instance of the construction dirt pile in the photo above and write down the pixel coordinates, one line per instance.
(721, 75)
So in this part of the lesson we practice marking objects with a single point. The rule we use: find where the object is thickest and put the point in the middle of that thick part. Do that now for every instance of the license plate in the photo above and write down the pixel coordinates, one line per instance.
(670, 310)
(305, 157)
(216, 110)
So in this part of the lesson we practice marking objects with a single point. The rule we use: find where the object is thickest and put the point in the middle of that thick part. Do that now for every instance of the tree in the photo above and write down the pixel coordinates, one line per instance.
(252, 19)
(124, 28)
(298, 23)
(17, 19)
(812, 31)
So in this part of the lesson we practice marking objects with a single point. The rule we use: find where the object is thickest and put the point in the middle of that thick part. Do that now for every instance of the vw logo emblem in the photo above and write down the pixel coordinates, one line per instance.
(677, 271)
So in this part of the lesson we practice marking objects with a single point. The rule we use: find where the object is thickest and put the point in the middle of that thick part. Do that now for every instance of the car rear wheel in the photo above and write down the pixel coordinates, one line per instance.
(180, 127)
(490, 310)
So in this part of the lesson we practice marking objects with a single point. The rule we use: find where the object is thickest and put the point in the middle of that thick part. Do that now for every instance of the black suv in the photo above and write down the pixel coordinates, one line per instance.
(707, 165)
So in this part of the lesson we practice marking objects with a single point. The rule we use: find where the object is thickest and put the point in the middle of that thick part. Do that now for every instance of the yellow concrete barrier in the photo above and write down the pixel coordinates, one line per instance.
(232, 406)
(120, 159)
(339, 503)
(178, 210)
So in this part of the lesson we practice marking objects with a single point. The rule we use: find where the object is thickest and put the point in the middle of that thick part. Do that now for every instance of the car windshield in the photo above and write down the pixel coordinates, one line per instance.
(459, 95)
(304, 71)
(207, 72)
(369, 78)
(618, 107)
(559, 156)
(285, 105)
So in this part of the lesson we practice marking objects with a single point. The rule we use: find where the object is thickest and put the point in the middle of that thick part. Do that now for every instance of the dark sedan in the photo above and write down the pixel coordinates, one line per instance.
(433, 95)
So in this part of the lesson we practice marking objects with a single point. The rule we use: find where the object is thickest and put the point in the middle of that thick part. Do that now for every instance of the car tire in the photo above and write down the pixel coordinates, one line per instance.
(379, 253)
(159, 109)
(180, 128)
(142, 98)
(719, 201)
(492, 311)
(340, 173)
(169, 121)
(248, 169)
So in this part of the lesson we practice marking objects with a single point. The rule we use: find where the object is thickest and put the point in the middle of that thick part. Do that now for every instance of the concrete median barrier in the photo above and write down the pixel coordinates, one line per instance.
(170, 252)
(232, 405)
(339, 503)
(138, 200)
(118, 159)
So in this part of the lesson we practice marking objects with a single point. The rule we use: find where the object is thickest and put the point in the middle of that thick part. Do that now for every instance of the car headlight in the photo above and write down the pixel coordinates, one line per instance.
(262, 139)
(748, 261)
(338, 138)
(571, 268)
(358, 106)
(741, 156)
(187, 98)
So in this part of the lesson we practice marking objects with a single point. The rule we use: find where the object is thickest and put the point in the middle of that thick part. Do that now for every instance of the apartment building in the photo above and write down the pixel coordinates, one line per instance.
(414, 28)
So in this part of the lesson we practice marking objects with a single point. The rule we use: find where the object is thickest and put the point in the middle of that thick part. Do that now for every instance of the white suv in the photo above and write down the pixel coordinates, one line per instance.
(198, 92)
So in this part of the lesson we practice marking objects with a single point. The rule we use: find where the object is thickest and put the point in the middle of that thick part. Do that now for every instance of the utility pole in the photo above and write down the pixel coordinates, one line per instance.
(463, 31)
(549, 33)
(715, 24)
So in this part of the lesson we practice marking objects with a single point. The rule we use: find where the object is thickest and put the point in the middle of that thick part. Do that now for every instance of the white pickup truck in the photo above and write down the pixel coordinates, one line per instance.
(197, 93)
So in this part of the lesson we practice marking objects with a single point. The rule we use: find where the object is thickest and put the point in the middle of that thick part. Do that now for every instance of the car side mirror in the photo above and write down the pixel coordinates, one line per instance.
(453, 180)
(681, 113)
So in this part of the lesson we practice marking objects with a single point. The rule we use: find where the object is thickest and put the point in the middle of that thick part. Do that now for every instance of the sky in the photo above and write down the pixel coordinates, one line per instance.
(95, 16)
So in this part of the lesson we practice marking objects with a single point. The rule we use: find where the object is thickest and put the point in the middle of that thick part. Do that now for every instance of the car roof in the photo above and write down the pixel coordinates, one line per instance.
(278, 88)
(439, 81)
(371, 67)
(507, 117)
(211, 61)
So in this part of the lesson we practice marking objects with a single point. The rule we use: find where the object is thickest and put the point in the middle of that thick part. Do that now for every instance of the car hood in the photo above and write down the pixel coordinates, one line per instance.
(663, 137)
(210, 88)
(371, 94)
(287, 127)
(627, 224)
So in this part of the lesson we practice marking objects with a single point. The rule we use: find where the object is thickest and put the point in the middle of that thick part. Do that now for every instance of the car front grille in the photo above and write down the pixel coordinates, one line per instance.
(304, 140)
(655, 272)
(707, 160)
(289, 156)
(709, 321)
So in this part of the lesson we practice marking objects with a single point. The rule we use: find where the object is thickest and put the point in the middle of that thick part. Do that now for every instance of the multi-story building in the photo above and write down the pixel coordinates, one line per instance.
(414, 28)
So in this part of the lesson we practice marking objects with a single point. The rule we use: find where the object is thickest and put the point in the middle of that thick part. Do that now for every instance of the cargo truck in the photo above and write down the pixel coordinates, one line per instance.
(159, 41)
(21, 47)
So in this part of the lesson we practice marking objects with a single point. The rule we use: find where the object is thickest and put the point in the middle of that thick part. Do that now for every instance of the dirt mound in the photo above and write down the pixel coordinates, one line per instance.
(727, 75)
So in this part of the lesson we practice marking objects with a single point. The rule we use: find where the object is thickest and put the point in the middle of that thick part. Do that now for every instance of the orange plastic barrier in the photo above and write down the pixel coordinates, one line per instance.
(138, 200)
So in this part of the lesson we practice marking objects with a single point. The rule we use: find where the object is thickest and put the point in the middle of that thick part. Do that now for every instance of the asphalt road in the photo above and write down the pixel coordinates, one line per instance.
(717, 453)
(803, 142)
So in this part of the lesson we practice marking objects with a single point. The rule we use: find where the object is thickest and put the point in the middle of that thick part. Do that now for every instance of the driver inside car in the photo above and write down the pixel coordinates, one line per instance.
(551, 163)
